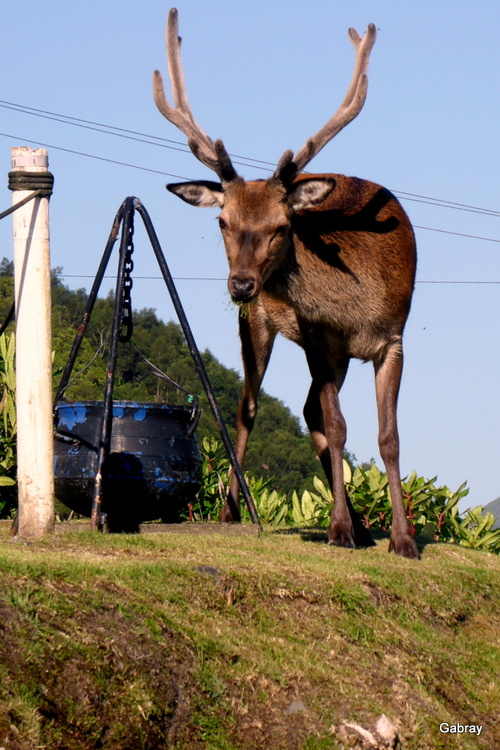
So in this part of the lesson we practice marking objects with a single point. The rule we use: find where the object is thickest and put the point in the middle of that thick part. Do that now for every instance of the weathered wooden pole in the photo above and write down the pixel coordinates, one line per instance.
(33, 342)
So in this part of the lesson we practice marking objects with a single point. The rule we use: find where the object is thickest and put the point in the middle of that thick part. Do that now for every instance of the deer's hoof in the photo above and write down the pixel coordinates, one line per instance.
(404, 546)
(341, 534)
(362, 537)
(229, 515)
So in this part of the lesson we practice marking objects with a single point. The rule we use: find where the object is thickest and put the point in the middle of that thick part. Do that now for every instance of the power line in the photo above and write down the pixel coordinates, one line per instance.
(181, 177)
(456, 234)
(92, 156)
(222, 278)
(130, 134)
(458, 282)
(69, 120)
(63, 275)
(80, 122)
(160, 141)
(447, 204)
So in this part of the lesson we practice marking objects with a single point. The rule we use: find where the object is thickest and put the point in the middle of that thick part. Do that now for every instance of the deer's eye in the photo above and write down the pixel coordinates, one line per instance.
(279, 232)
(222, 224)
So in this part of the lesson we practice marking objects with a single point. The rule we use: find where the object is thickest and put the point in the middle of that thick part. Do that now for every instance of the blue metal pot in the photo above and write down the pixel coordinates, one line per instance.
(154, 465)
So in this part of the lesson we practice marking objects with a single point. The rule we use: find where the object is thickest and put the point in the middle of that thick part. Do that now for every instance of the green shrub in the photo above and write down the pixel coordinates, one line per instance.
(8, 428)
(216, 478)
(215, 473)
(432, 510)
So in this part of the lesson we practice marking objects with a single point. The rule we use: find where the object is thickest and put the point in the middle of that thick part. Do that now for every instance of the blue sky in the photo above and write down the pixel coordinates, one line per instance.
(264, 77)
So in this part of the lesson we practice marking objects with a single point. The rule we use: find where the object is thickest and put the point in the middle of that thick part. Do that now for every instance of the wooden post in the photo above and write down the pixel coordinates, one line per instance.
(33, 343)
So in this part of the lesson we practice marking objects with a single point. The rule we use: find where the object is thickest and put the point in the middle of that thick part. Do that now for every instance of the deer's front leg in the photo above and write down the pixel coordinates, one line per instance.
(341, 529)
(257, 339)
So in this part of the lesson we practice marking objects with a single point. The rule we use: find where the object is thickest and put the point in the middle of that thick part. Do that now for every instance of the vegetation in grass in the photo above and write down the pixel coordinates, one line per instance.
(432, 509)
(8, 428)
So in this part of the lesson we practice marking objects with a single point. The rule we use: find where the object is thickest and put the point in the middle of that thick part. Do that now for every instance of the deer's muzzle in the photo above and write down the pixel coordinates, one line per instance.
(242, 289)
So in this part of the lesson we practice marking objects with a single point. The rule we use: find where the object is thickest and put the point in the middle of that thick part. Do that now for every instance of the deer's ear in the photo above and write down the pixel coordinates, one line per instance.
(204, 193)
(308, 193)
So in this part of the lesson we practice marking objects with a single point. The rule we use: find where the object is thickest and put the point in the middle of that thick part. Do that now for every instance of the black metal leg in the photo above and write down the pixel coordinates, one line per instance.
(125, 219)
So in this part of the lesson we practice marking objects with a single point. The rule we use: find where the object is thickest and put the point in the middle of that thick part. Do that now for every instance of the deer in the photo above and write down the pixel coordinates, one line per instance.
(326, 260)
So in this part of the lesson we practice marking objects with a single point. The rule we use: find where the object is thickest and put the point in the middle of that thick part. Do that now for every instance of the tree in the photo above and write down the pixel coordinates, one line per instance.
(278, 448)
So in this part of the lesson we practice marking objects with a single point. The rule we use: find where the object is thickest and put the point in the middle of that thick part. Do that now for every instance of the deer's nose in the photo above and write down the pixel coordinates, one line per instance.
(242, 289)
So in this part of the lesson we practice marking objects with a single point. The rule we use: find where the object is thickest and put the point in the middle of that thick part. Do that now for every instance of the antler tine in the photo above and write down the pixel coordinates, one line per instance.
(202, 146)
(363, 47)
(353, 100)
(176, 72)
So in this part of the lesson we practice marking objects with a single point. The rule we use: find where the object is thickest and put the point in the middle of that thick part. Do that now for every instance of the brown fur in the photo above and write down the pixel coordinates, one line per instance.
(350, 269)
(335, 275)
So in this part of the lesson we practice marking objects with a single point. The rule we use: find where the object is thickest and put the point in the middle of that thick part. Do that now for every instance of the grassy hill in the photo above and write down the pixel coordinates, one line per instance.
(227, 641)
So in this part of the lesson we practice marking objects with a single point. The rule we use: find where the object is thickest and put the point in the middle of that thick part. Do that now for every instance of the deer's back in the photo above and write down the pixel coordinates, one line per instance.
(350, 272)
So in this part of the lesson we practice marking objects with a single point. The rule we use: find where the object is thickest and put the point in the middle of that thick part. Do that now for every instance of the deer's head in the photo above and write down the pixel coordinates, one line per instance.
(255, 216)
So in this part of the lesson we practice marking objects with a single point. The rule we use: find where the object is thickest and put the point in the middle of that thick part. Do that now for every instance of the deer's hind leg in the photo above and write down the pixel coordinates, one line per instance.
(388, 372)
(328, 432)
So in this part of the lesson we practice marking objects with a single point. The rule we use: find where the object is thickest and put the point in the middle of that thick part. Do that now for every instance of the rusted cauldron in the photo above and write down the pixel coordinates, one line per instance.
(153, 469)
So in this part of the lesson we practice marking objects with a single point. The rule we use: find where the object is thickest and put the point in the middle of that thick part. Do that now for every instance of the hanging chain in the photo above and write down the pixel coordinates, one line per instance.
(127, 323)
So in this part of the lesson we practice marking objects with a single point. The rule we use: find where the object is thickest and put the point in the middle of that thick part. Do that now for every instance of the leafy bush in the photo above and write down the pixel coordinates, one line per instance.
(215, 472)
(432, 510)
(8, 428)
(476, 530)
(216, 478)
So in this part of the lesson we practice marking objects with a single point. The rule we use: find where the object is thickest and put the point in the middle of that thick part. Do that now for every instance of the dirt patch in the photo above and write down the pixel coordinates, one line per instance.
(98, 674)
(96, 679)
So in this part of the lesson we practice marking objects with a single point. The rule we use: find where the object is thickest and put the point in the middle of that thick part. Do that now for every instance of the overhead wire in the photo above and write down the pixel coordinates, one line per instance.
(160, 141)
(457, 234)
(91, 156)
(440, 202)
(181, 177)
(244, 160)
(131, 135)
(68, 119)
(222, 278)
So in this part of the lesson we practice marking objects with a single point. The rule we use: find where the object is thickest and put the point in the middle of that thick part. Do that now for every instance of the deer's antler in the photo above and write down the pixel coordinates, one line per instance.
(348, 110)
(212, 154)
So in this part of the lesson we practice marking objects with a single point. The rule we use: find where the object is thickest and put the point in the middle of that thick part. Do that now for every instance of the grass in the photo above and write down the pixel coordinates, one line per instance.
(185, 641)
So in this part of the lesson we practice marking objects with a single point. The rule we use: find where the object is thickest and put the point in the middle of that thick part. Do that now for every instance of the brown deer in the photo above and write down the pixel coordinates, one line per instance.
(326, 260)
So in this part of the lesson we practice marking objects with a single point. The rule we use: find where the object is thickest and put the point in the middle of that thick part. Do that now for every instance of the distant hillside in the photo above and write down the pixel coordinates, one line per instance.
(494, 507)
(278, 448)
